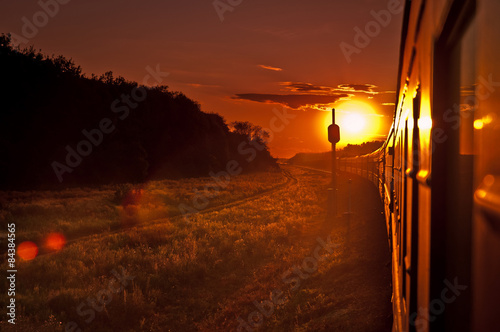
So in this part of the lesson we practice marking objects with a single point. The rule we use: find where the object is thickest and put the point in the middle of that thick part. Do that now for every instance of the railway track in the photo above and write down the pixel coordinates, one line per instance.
(313, 169)
(290, 179)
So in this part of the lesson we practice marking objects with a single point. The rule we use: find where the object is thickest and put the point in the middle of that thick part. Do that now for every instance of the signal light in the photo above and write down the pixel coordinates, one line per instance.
(333, 133)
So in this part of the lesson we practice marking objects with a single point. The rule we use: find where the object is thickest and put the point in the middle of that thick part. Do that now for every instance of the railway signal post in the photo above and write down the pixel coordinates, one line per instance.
(334, 138)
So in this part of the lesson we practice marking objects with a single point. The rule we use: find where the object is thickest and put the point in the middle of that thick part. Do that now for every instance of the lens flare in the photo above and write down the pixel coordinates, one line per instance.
(55, 241)
(27, 250)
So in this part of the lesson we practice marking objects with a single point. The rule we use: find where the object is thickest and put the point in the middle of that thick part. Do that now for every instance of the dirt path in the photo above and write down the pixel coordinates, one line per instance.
(350, 290)
(358, 286)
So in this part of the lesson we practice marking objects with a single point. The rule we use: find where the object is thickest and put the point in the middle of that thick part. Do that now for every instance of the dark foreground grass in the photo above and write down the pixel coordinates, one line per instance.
(207, 274)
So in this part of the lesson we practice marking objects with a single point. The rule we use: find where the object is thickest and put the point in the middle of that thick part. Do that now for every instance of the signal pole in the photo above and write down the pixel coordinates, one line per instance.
(334, 137)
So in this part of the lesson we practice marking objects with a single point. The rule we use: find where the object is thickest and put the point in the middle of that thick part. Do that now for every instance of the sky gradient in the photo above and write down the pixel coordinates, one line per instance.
(242, 60)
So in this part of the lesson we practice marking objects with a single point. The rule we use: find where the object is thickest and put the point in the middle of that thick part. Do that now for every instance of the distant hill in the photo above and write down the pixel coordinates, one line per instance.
(59, 127)
(353, 150)
(323, 159)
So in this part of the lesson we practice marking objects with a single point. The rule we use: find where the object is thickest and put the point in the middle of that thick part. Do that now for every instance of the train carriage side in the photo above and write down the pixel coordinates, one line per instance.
(438, 172)
(447, 123)
(486, 136)
(422, 224)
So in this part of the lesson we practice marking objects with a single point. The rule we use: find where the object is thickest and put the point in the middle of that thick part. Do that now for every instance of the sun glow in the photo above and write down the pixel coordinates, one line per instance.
(353, 123)
(358, 121)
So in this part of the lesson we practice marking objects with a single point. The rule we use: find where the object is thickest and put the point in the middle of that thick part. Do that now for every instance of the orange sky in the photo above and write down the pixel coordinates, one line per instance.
(263, 55)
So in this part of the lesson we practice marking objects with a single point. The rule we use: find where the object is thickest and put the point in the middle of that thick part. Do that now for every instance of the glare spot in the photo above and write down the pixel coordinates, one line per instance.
(481, 193)
(488, 119)
(55, 241)
(478, 124)
(489, 180)
(27, 250)
(425, 123)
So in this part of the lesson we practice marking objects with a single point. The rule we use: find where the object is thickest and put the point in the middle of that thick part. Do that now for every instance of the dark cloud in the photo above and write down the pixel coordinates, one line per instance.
(347, 87)
(293, 101)
(357, 87)
(307, 94)
(305, 87)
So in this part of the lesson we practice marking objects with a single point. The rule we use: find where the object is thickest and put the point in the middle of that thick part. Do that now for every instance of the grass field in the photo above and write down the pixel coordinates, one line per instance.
(153, 271)
(78, 212)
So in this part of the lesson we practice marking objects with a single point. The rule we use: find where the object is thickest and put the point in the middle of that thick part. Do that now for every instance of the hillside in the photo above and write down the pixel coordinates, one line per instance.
(59, 128)
(323, 159)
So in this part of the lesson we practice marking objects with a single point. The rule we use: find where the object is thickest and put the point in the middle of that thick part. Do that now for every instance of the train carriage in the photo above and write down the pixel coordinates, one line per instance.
(439, 170)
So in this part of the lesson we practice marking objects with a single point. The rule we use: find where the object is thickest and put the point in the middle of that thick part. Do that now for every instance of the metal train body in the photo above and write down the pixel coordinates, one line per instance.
(438, 172)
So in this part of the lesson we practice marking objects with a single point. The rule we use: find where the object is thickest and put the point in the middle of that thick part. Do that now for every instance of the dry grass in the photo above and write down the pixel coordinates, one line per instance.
(200, 275)
(78, 212)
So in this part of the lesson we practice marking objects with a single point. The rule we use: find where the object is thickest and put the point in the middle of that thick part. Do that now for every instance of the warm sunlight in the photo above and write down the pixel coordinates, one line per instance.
(250, 165)
(358, 121)
(353, 123)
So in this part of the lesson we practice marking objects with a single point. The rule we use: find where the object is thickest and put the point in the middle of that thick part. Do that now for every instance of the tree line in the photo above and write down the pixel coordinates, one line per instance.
(59, 127)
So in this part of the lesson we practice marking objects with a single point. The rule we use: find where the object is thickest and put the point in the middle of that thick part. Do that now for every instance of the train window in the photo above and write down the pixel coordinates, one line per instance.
(468, 102)
(454, 104)
(453, 158)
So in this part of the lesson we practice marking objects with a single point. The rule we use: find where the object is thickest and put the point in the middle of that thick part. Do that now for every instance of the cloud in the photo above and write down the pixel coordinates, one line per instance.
(302, 95)
(295, 101)
(305, 87)
(270, 68)
(342, 88)
(358, 87)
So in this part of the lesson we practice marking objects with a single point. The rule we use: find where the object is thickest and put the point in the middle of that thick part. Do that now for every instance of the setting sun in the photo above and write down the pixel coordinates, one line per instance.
(358, 121)
(353, 123)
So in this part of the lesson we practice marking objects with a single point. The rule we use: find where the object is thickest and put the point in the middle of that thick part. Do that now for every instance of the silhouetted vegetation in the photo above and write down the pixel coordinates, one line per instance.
(57, 124)
(353, 150)
(323, 159)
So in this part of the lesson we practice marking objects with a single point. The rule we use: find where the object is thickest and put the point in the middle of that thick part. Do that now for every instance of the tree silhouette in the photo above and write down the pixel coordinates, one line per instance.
(250, 130)
(46, 104)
